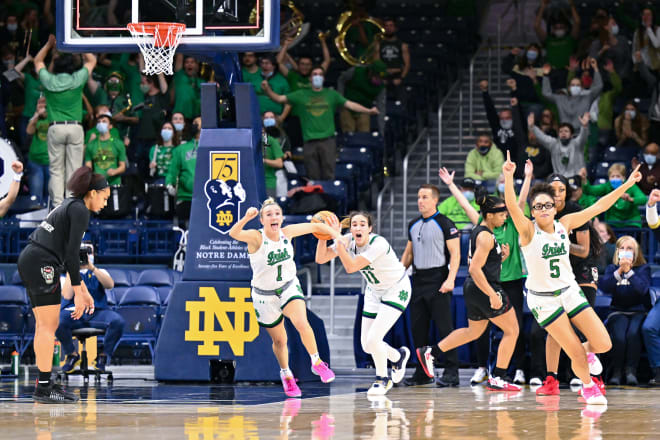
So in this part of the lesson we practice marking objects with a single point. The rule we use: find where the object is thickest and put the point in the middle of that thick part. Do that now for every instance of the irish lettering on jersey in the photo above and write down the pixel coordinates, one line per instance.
(277, 256)
(553, 250)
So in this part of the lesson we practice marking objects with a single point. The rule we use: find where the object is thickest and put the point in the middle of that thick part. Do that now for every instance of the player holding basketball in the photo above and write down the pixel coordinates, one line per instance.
(553, 294)
(386, 296)
(276, 291)
(485, 300)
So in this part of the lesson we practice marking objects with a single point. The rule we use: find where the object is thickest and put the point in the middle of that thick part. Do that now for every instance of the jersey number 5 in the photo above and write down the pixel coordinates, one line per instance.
(554, 269)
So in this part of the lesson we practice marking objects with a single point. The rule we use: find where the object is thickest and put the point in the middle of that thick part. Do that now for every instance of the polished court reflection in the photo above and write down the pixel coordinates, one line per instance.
(136, 409)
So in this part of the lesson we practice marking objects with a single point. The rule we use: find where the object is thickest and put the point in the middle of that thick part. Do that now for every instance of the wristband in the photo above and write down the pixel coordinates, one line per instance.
(18, 177)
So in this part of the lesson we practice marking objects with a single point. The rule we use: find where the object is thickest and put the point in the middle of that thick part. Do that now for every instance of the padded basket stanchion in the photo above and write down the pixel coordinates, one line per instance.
(157, 42)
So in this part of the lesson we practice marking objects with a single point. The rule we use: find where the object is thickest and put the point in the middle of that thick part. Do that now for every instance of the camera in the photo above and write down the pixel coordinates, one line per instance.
(85, 250)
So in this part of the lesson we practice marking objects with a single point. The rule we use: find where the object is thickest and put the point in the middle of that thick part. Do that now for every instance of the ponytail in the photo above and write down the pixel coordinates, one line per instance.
(487, 203)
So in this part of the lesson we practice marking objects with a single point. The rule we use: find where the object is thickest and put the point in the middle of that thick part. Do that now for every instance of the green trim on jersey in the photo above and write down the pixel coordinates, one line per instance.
(578, 309)
(373, 238)
(291, 299)
(369, 315)
(394, 305)
(552, 317)
(277, 321)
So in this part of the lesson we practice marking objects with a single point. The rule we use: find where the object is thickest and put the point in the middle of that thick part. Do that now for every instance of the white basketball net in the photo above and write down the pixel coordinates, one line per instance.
(157, 42)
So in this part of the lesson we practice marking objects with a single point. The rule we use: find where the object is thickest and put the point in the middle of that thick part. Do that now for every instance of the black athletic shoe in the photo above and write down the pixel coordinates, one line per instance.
(101, 362)
(420, 380)
(448, 379)
(53, 394)
(72, 361)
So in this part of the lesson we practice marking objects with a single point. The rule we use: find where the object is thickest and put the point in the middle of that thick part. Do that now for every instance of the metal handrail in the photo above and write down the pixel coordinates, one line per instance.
(308, 283)
(379, 208)
(471, 92)
(441, 109)
(406, 160)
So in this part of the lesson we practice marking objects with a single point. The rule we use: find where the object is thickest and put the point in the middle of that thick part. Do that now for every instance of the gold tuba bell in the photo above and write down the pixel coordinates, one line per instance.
(370, 53)
(292, 25)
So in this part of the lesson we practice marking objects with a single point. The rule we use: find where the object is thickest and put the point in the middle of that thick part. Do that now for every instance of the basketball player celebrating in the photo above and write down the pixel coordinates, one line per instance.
(386, 297)
(553, 294)
(485, 300)
(276, 291)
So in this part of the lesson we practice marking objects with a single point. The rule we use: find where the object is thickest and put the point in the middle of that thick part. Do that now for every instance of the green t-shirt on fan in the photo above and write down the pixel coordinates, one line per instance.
(39, 146)
(272, 150)
(513, 267)
(187, 94)
(33, 91)
(105, 155)
(316, 110)
(64, 94)
(297, 81)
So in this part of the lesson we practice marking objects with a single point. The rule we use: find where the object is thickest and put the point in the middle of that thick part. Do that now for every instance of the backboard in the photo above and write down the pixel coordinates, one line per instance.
(211, 25)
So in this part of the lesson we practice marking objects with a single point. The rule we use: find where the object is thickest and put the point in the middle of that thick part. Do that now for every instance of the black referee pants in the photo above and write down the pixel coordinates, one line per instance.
(428, 303)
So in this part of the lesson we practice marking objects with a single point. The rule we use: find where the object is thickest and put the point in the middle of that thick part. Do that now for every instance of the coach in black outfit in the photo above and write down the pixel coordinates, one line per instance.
(432, 237)
(54, 249)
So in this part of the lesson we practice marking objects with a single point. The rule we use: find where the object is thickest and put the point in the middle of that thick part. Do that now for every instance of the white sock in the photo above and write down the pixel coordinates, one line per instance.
(286, 372)
(590, 384)
(315, 358)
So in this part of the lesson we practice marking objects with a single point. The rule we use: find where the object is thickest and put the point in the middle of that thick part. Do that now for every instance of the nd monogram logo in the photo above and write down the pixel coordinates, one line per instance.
(235, 334)
(224, 190)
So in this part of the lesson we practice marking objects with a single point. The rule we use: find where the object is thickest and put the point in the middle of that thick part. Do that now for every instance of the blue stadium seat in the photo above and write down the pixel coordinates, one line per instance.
(139, 307)
(111, 298)
(155, 278)
(348, 174)
(2, 277)
(655, 279)
(337, 190)
(361, 158)
(600, 170)
(158, 240)
(164, 294)
(16, 279)
(13, 309)
(121, 277)
(619, 154)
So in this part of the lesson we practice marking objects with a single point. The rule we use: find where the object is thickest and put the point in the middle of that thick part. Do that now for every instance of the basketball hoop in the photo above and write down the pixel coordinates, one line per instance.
(157, 42)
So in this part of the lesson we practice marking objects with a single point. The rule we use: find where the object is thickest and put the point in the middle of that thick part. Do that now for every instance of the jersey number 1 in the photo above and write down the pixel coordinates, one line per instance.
(554, 269)
(279, 272)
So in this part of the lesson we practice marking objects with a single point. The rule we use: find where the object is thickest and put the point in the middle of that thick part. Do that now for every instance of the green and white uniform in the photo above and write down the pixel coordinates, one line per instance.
(551, 286)
(274, 281)
(386, 278)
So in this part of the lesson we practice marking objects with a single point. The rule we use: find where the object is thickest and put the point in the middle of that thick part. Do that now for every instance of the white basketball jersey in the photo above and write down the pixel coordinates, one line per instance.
(272, 264)
(547, 260)
(384, 269)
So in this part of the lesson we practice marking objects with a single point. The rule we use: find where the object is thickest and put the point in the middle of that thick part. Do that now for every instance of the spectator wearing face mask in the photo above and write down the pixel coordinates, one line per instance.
(566, 152)
(627, 280)
(646, 40)
(105, 154)
(484, 162)
(37, 166)
(180, 127)
(561, 42)
(625, 212)
(528, 149)
(277, 83)
(611, 46)
(153, 115)
(316, 109)
(297, 72)
(454, 211)
(650, 168)
(524, 67)
(181, 174)
(501, 124)
(272, 154)
(186, 86)
(631, 127)
(160, 155)
(578, 101)
(114, 94)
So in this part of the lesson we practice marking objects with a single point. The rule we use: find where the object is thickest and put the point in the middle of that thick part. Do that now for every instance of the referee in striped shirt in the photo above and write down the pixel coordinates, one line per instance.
(434, 250)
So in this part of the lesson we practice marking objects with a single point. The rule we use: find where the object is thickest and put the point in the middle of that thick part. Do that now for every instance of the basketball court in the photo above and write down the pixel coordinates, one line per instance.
(138, 408)
(174, 399)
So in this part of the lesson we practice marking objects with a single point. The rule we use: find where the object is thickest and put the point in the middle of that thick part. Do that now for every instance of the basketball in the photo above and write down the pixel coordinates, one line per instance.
(320, 217)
